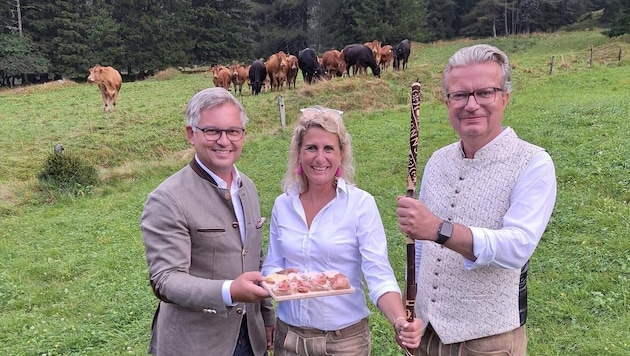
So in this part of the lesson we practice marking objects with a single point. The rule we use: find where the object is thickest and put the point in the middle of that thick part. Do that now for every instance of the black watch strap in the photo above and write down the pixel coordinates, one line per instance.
(444, 232)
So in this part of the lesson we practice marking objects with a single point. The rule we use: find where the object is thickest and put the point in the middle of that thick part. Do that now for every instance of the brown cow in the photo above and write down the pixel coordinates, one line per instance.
(240, 75)
(248, 81)
(375, 46)
(109, 82)
(333, 63)
(387, 57)
(221, 76)
(292, 73)
(277, 70)
(267, 86)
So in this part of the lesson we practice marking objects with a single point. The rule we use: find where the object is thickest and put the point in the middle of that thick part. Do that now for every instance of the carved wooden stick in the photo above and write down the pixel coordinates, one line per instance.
(410, 275)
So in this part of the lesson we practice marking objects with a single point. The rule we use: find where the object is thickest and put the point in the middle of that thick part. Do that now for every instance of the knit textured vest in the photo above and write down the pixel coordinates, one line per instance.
(464, 304)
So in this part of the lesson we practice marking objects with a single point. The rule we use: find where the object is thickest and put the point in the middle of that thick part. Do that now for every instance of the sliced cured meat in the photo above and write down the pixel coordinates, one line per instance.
(319, 283)
(308, 284)
(283, 288)
(339, 281)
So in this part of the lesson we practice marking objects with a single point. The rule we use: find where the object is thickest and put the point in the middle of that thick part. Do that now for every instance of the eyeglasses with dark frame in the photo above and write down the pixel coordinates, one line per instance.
(233, 134)
(482, 96)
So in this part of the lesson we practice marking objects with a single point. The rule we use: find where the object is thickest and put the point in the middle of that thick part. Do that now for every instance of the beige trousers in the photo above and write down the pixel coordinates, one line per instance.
(511, 343)
(294, 341)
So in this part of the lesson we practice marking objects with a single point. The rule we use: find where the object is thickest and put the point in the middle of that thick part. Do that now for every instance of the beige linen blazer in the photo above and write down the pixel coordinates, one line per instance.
(193, 244)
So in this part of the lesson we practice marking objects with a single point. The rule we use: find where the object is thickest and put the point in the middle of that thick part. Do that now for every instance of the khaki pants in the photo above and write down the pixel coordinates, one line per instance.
(511, 343)
(293, 341)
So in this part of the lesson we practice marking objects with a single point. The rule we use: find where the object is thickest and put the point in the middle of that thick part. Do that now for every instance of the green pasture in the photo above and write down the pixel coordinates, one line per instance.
(74, 279)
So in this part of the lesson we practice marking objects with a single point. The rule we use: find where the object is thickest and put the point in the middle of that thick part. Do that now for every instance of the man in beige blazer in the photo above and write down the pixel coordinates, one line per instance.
(202, 233)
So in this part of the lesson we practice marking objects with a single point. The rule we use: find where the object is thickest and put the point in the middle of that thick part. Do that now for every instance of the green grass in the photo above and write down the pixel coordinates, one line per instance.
(74, 280)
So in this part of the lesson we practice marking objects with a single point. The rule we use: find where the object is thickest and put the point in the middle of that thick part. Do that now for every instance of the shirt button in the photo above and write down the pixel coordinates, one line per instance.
(456, 191)
(452, 205)
(461, 178)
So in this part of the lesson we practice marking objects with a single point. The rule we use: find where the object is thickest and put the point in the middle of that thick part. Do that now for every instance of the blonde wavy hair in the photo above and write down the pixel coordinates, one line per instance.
(330, 120)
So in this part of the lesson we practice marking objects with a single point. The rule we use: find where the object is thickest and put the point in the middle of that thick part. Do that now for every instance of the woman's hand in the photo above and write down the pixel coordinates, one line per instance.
(408, 334)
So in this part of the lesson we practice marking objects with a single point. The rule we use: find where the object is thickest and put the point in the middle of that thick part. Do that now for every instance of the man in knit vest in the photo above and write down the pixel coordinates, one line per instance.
(484, 204)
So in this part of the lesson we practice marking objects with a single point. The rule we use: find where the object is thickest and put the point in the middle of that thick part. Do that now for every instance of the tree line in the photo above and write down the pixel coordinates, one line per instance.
(64, 38)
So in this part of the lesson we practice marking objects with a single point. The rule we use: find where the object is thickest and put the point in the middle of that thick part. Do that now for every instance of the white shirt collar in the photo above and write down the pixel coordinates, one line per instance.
(504, 131)
(342, 187)
(220, 182)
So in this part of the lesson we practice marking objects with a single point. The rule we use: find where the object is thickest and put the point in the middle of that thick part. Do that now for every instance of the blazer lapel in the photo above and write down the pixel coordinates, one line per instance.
(224, 193)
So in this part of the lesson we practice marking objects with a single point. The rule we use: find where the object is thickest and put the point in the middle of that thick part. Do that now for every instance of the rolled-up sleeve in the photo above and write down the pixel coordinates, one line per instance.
(531, 204)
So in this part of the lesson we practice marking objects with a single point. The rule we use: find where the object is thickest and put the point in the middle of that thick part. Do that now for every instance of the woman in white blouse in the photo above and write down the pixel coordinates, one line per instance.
(322, 222)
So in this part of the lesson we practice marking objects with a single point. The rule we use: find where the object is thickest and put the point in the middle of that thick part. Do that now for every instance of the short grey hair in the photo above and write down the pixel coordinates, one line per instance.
(480, 53)
(210, 98)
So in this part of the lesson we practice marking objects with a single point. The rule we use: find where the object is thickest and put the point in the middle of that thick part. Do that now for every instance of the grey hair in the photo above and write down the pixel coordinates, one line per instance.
(331, 121)
(210, 98)
(480, 53)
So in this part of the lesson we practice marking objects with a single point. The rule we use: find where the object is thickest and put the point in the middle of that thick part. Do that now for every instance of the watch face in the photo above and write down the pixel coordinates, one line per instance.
(444, 232)
(447, 229)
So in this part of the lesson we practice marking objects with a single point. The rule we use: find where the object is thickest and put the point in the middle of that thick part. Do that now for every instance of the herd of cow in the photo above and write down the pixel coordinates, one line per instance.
(280, 68)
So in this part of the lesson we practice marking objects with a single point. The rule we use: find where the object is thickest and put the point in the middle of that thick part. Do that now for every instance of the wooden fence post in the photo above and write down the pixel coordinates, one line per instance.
(590, 61)
(551, 64)
(282, 114)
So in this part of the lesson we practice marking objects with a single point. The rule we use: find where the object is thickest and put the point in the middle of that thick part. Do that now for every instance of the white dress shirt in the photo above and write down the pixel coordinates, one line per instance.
(347, 235)
(240, 217)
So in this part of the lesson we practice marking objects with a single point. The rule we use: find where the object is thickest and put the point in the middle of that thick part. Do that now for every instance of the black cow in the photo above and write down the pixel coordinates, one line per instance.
(257, 76)
(401, 54)
(307, 61)
(359, 55)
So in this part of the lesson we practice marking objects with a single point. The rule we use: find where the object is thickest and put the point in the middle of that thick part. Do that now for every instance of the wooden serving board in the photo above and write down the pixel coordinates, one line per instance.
(310, 294)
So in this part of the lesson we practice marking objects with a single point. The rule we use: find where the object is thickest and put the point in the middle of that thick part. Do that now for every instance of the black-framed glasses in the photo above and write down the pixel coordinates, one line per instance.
(310, 113)
(214, 134)
(482, 96)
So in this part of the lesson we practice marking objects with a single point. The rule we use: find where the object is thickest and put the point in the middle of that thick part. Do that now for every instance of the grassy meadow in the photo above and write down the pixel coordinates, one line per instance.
(74, 279)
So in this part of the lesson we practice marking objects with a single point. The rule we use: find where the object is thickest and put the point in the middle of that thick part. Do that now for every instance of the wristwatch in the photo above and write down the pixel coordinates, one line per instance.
(444, 232)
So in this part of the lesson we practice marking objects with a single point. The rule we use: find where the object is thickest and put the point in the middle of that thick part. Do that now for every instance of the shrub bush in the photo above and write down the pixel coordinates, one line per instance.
(66, 173)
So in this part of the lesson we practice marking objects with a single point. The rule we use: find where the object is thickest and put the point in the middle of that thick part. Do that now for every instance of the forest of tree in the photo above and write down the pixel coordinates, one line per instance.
(64, 38)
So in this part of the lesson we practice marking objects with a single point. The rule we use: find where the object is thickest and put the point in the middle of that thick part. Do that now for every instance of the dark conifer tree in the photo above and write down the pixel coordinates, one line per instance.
(220, 31)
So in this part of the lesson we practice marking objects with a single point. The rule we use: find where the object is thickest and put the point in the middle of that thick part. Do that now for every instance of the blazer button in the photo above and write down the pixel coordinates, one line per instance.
(227, 196)
(244, 252)
(235, 224)
(239, 310)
